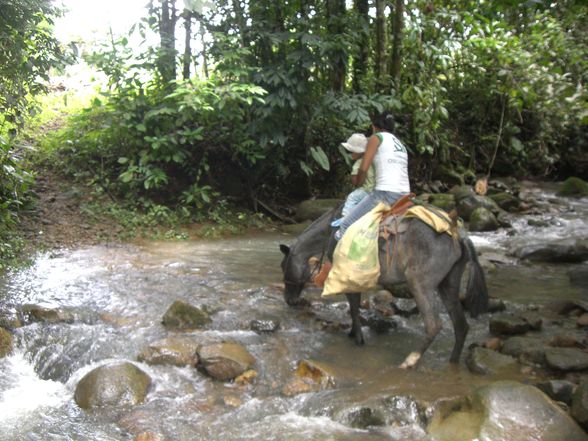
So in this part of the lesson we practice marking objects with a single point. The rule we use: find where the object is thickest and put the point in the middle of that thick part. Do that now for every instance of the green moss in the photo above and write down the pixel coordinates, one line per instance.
(574, 187)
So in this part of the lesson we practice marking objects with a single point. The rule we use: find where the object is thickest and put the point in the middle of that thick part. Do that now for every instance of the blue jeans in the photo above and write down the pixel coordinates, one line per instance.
(354, 198)
(366, 205)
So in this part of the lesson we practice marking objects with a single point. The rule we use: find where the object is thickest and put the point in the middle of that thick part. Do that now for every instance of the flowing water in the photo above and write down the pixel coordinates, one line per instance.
(118, 295)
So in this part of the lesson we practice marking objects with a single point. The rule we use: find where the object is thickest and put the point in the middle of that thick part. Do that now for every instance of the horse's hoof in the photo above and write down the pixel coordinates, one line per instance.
(411, 360)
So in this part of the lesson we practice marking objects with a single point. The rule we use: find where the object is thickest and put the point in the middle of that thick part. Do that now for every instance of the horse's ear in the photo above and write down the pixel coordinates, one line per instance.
(285, 249)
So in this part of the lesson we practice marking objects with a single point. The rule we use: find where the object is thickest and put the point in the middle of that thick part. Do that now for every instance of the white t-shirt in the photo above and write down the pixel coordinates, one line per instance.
(391, 162)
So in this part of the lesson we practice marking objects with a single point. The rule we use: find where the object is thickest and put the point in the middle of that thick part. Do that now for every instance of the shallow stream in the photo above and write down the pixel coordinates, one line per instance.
(118, 295)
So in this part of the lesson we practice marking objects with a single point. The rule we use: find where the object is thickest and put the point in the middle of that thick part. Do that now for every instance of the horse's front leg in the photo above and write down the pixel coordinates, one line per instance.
(354, 300)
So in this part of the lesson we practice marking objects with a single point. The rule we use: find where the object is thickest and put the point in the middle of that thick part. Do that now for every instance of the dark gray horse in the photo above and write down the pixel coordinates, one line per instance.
(430, 263)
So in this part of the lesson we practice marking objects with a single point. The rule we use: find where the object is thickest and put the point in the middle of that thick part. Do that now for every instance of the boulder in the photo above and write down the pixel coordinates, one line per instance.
(175, 351)
(558, 390)
(445, 201)
(525, 349)
(182, 315)
(9, 319)
(574, 187)
(556, 252)
(508, 324)
(312, 209)
(504, 411)
(482, 219)
(485, 361)
(5, 342)
(579, 409)
(566, 359)
(225, 361)
(35, 313)
(119, 384)
(506, 201)
(461, 192)
(467, 205)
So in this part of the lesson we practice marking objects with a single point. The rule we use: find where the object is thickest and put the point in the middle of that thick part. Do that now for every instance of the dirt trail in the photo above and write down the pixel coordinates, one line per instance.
(58, 219)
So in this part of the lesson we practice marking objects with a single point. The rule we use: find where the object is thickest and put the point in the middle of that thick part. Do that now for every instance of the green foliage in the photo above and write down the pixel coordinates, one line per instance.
(27, 51)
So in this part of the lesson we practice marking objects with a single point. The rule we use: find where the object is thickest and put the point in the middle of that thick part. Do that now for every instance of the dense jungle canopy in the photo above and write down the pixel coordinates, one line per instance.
(248, 101)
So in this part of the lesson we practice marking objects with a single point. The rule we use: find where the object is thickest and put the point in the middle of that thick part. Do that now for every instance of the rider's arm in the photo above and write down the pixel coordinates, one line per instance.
(368, 157)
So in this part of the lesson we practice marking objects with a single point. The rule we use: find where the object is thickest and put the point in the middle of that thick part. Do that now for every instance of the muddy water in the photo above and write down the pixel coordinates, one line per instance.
(118, 295)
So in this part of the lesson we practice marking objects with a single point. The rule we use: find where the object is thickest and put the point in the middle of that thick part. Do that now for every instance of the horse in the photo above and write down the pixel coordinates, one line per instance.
(430, 263)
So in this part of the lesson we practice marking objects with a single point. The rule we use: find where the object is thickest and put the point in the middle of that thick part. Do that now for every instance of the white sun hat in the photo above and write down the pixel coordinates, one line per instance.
(356, 143)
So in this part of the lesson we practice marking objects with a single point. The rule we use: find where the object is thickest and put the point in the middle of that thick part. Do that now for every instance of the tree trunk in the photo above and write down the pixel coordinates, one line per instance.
(360, 61)
(397, 45)
(336, 12)
(381, 41)
(187, 59)
(241, 23)
(166, 62)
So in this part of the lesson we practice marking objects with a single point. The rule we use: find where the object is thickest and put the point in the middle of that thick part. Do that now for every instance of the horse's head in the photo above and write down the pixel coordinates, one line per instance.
(296, 274)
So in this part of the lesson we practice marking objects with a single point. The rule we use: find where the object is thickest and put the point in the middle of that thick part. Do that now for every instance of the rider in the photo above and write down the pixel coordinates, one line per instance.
(390, 158)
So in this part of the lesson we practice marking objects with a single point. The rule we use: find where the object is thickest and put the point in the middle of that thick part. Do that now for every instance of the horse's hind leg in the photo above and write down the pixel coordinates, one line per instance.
(354, 300)
(449, 292)
(423, 295)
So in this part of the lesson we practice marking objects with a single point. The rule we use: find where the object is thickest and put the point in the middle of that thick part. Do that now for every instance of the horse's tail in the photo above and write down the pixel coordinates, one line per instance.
(476, 296)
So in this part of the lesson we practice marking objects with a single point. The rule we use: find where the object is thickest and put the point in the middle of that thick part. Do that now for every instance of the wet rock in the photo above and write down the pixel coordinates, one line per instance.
(469, 204)
(566, 359)
(150, 436)
(482, 219)
(493, 343)
(582, 321)
(506, 201)
(225, 361)
(310, 376)
(297, 386)
(564, 341)
(35, 313)
(579, 276)
(182, 315)
(232, 401)
(378, 322)
(119, 384)
(496, 305)
(445, 201)
(265, 324)
(364, 417)
(505, 410)
(508, 324)
(314, 208)
(485, 361)
(525, 349)
(9, 319)
(557, 252)
(579, 409)
(573, 187)
(558, 390)
(175, 351)
(5, 342)
(246, 377)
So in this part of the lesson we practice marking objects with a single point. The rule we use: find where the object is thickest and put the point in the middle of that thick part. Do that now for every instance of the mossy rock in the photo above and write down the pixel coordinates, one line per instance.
(182, 315)
(119, 384)
(574, 187)
(445, 201)
(506, 201)
(482, 219)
